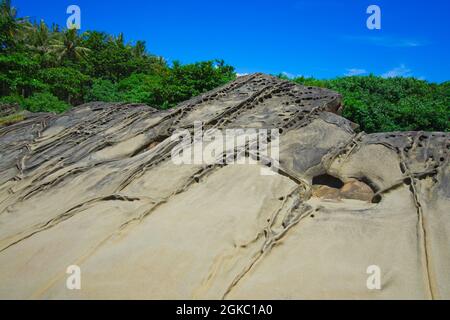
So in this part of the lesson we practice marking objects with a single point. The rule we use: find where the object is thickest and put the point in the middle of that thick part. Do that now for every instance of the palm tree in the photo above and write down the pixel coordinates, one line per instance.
(38, 41)
(54, 28)
(139, 49)
(68, 45)
(118, 41)
(11, 27)
(39, 38)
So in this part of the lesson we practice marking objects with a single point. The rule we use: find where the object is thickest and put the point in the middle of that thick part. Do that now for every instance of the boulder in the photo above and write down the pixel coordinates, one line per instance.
(356, 190)
(95, 188)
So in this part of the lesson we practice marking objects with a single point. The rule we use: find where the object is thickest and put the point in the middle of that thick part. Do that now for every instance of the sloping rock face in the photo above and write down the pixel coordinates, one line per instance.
(96, 188)
(8, 109)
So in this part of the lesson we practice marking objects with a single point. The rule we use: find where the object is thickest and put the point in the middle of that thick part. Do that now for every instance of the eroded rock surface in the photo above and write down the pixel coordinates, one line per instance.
(96, 187)
(8, 109)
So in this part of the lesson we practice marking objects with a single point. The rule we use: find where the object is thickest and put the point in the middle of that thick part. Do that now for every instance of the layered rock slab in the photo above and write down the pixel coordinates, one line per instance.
(96, 187)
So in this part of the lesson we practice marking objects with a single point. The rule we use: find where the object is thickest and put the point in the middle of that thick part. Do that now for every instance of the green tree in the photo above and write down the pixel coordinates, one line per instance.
(186, 81)
(44, 102)
(18, 74)
(66, 83)
(39, 38)
(103, 90)
(11, 27)
(393, 104)
(139, 50)
(67, 45)
(143, 88)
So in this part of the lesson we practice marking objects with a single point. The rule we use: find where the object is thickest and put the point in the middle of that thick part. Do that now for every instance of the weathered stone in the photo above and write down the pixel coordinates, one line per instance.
(96, 187)
(357, 190)
(326, 192)
(8, 109)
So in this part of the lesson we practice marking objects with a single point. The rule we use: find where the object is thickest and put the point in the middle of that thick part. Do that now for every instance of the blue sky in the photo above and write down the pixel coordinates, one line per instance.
(321, 38)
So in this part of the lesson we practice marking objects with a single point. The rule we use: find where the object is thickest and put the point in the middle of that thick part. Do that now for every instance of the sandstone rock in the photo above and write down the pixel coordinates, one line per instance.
(8, 109)
(326, 192)
(95, 187)
(357, 190)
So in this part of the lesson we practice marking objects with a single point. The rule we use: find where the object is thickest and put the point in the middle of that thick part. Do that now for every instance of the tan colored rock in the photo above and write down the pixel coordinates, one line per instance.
(356, 190)
(326, 192)
(95, 187)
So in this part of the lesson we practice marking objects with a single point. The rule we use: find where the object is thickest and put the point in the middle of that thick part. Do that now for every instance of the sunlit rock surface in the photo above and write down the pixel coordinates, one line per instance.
(96, 187)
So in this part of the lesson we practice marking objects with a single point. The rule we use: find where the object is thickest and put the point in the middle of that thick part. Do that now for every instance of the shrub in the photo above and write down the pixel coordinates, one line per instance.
(393, 104)
(66, 83)
(44, 102)
(103, 90)
(12, 99)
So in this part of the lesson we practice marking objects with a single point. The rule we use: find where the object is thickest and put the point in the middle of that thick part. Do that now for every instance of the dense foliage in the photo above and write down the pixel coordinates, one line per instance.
(392, 104)
(44, 68)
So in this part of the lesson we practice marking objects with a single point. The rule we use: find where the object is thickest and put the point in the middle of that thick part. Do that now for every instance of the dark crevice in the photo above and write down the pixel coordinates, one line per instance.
(377, 198)
(370, 183)
(150, 146)
(328, 180)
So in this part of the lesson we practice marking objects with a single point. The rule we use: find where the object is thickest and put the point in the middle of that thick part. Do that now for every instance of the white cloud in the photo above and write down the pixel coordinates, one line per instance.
(401, 71)
(242, 74)
(293, 76)
(387, 41)
(289, 75)
(355, 72)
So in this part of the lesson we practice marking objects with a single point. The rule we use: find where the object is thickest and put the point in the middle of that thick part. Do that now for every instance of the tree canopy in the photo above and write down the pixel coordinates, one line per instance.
(393, 104)
(37, 60)
(47, 68)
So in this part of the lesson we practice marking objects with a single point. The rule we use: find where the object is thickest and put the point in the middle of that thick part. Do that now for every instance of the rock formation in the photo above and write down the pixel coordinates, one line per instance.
(95, 187)
(8, 109)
